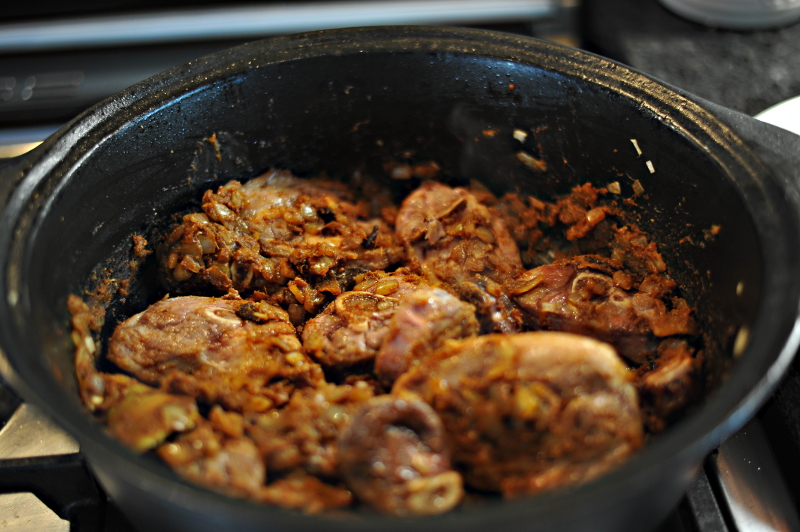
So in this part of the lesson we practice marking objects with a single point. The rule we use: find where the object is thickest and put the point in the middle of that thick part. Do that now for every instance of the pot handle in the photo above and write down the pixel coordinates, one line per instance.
(11, 173)
(777, 148)
(62, 481)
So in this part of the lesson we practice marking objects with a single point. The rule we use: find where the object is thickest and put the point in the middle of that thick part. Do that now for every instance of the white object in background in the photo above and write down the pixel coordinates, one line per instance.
(737, 14)
(785, 115)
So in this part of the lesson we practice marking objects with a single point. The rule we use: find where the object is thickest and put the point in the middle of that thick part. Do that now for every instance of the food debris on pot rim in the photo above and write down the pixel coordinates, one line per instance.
(320, 346)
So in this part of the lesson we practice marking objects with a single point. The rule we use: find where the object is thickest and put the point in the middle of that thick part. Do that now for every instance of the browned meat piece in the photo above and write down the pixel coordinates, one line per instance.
(578, 223)
(398, 284)
(242, 355)
(139, 416)
(394, 457)
(453, 236)
(272, 228)
(214, 459)
(306, 493)
(347, 335)
(91, 384)
(391, 321)
(144, 417)
(530, 412)
(669, 383)
(301, 437)
(591, 295)
(422, 322)
(495, 310)
(201, 254)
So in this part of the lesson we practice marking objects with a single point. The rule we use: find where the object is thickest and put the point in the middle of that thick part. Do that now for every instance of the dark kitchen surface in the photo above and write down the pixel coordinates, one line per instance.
(748, 71)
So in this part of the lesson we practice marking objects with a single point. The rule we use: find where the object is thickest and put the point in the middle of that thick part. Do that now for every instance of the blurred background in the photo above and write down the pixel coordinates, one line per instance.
(58, 58)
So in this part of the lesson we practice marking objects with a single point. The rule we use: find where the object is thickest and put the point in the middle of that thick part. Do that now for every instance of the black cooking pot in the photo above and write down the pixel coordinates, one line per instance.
(722, 202)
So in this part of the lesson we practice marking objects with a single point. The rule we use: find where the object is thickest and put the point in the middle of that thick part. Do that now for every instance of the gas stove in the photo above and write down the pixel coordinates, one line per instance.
(751, 483)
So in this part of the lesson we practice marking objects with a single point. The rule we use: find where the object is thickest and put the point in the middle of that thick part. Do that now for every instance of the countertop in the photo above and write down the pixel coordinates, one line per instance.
(748, 71)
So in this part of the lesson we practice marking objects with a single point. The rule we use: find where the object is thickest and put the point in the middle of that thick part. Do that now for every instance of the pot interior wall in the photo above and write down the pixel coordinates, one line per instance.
(354, 112)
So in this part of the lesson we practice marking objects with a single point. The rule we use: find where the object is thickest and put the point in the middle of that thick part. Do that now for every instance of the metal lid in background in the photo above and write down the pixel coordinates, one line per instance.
(737, 14)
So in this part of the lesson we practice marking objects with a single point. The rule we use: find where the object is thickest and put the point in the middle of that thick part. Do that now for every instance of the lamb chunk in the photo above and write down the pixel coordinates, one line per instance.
(139, 416)
(201, 347)
(456, 239)
(496, 312)
(144, 417)
(453, 236)
(669, 383)
(212, 459)
(201, 254)
(394, 457)
(530, 412)
(591, 295)
(268, 230)
(346, 336)
(306, 493)
(391, 322)
(421, 323)
(316, 223)
(301, 437)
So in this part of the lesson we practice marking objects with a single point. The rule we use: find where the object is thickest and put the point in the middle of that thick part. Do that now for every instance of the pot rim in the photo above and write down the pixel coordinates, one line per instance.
(724, 411)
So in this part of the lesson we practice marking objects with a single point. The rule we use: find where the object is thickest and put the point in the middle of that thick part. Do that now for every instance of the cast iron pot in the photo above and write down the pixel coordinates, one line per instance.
(722, 202)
